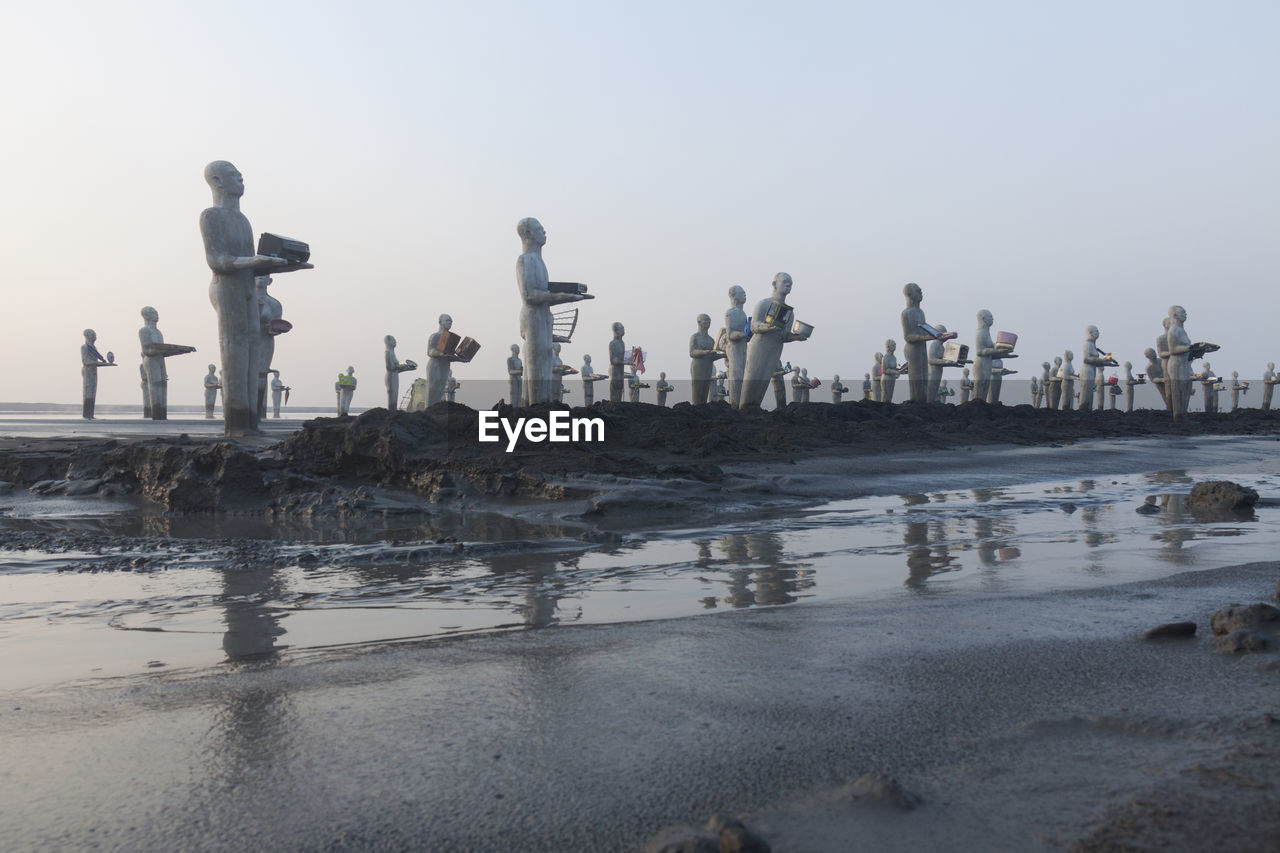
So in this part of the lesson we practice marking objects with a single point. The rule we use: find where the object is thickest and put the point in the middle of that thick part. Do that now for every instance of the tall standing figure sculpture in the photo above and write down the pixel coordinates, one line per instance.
(889, 371)
(915, 348)
(703, 356)
(937, 360)
(394, 368)
(271, 324)
(983, 350)
(1177, 376)
(1093, 359)
(439, 361)
(772, 325)
(90, 361)
(737, 332)
(535, 314)
(1155, 372)
(1162, 348)
(515, 375)
(1268, 384)
(229, 251)
(1069, 376)
(212, 384)
(154, 352)
(617, 363)
(1055, 384)
(877, 374)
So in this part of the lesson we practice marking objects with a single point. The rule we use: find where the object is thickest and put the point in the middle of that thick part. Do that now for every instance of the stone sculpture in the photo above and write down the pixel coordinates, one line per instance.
(721, 392)
(779, 383)
(997, 378)
(664, 388)
(439, 361)
(212, 384)
(229, 251)
(866, 386)
(915, 348)
(90, 361)
(737, 332)
(146, 391)
(772, 325)
(984, 349)
(1178, 372)
(1069, 375)
(535, 315)
(154, 352)
(1210, 384)
(1093, 359)
(1237, 388)
(1155, 372)
(703, 355)
(1035, 393)
(1268, 384)
(394, 368)
(451, 387)
(1129, 384)
(966, 386)
(1162, 347)
(515, 375)
(617, 363)
(889, 371)
(1043, 398)
(837, 390)
(270, 325)
(345, 387)
(937, 361)
(589, 379)
(877, 378)
(278, 390)
(1055, 384)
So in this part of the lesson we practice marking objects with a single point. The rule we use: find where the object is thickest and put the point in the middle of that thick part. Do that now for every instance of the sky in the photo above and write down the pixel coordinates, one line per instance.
(1061, 164)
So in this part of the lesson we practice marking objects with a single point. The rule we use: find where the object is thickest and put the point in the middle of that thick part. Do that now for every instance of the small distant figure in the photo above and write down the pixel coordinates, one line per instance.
(636, 386)
(1162, 349)
(1155, 372)
(617, 363)
(1268, 384)
(557, 374)
(867, 386)
(1043, 393)
(1093, 360)
(799, 387)
(984, 349)
(966, 387)
(1035, 393)
(278, 390)
(890, 371)
(451, 387)
(1210, 384)
(515, 375)
(737, 332)
(346, 389)
(877, 374)
(212, 385)
(936, 361)
(837, 390)
(1069, 375)
(589, 380)
(1055, 384)
(779, 384)
(394, 368)
(1237, 388)
(439, 361)
(664, 388)
(90, 361)
(1129, 384)
(721, 392)
(154, 352)
(703, 355)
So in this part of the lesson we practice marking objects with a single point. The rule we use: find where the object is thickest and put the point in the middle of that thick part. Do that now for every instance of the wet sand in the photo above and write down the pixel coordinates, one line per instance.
(1024, 720)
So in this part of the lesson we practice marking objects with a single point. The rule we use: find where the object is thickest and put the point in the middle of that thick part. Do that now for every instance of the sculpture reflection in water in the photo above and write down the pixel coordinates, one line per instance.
(758, 573)
(927, 552)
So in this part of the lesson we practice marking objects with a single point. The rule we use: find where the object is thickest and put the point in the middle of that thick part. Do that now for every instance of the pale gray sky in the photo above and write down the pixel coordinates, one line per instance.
(1059, 163)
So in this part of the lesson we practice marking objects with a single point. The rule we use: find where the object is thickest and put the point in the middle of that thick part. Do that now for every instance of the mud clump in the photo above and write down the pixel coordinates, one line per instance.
(1221, 496)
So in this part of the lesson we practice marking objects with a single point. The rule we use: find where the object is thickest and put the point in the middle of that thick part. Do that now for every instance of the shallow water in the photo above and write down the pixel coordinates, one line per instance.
(183, 607)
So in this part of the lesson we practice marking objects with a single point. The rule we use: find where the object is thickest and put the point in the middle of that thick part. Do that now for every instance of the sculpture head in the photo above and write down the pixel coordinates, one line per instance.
(911, 290)
(1068, 355)
(1045, 365)
(1091, 333)
(1057, 361)
(662, 375)
(515, 349)
(1128, 365)
(586, 359)
(90, 336)
(213, 368)
(866, 377)
(1235, 374)
(835, 380)
(940, 327)
(1207, 369)
(781, 285)
(804, 371)
(351, 371)
(704, 322)
(262, 281)
(1271, 365)
(531, 232)
(890, 345)
(446, 322)
(1150, 353)
(879, 357)
(390, 341)
(966, 373)
(224, 179)
(985, 318)
(150, 315)
(618, 330)
(737, 295)
(1178, 314)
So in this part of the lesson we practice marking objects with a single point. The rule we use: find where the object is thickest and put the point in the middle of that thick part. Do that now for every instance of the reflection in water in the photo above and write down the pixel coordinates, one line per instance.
(761, 555)
(252, 625)
(922, 560)
(1173, 476)
(536, 572)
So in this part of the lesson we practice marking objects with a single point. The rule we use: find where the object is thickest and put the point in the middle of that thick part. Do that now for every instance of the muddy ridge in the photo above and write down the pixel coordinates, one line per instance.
(435, 454)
